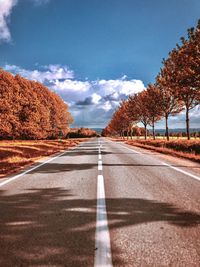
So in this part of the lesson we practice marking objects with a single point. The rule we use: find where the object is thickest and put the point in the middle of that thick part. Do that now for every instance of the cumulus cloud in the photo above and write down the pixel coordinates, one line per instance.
(119, 86)
(93, 102)
(71, 85)
(6, 7)
(48, 73)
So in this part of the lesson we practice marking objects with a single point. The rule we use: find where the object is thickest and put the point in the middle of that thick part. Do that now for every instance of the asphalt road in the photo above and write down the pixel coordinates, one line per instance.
(102, 204)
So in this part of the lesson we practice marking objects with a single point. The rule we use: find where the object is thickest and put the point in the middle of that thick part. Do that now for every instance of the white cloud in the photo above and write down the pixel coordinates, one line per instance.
(5, 11)
(107, 106)
(49, 73)
(119, 86)
(95, 98)
(71, 85)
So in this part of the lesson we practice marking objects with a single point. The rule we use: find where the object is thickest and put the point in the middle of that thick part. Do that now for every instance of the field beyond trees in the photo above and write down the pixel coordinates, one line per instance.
(15, 155)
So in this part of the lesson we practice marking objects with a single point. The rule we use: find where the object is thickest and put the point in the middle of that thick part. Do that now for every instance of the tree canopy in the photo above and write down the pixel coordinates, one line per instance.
(29, 110)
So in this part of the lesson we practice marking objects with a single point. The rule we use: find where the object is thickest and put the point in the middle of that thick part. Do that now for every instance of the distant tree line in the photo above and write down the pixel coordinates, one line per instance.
(177, 88)
(29, 110)
(81, 133)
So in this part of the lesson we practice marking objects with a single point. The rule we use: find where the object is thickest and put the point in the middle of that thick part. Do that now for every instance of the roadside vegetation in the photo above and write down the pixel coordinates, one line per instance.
(176, 89)
(188, 149)
(81, 133)
(15, 155)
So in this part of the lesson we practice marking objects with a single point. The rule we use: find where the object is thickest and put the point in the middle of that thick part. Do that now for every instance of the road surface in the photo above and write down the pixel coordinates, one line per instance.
(102, 204)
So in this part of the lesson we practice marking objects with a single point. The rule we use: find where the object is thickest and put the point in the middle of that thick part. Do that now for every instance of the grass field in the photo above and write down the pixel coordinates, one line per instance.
(15, 155)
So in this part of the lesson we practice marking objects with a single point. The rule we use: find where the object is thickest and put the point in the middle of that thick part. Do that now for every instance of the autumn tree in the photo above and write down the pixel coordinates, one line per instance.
(9, 106)
(132, 112)
(184, 71)
(28, 110)
(152, 103)
(141, 109)
(168, 100)
(120, 121)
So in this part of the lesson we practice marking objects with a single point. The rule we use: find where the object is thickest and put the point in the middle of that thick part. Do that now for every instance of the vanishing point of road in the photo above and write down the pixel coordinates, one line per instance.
(102, 203)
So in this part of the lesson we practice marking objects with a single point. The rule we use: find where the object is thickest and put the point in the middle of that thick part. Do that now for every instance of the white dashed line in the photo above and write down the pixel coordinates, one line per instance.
(103, 257)
(100, 167)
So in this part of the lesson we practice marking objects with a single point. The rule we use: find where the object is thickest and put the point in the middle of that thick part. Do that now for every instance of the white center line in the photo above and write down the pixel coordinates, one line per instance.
(103, 257)
(100, 167)
(100, 156)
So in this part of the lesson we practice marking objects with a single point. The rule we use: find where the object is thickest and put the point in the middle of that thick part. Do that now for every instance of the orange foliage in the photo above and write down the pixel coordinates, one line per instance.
(81, 133)
(29, 110)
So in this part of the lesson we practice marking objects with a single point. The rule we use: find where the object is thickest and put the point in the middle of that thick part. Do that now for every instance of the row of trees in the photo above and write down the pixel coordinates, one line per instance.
(29, 110)
(177, 88)
(81, 133)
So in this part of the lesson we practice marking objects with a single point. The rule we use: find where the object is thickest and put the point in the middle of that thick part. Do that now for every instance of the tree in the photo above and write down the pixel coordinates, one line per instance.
(132, 112)
(29, 110)
(168, 101)
(184, 71)
(9, 106)
(152, 102)
(141, 108)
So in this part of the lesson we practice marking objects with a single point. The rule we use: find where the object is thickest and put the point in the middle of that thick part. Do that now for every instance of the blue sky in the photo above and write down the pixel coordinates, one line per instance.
(93, 52)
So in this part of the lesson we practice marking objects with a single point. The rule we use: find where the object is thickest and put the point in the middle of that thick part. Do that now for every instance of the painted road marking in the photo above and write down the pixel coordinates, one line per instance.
(38, 166)
(100, 167)
(135, 151)
(179, 170)
(100, 156)
(103, 257)
(168, 165)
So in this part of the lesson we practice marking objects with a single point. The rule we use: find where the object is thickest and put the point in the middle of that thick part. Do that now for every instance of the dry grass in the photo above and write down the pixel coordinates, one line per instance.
(180, 148)
(15, 155)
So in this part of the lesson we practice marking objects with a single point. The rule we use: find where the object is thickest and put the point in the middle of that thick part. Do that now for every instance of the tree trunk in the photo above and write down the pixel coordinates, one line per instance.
(145, 136)
(153, 128)
(187, 123)
(167, 129)
(131, 133)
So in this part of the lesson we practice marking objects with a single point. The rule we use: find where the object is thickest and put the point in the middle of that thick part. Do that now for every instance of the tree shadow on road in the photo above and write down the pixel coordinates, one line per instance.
(51, 227)
(62, 167)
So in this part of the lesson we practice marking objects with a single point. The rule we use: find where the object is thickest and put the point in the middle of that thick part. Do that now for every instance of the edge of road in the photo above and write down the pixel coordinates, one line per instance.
(35, 165)
(132, 148)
